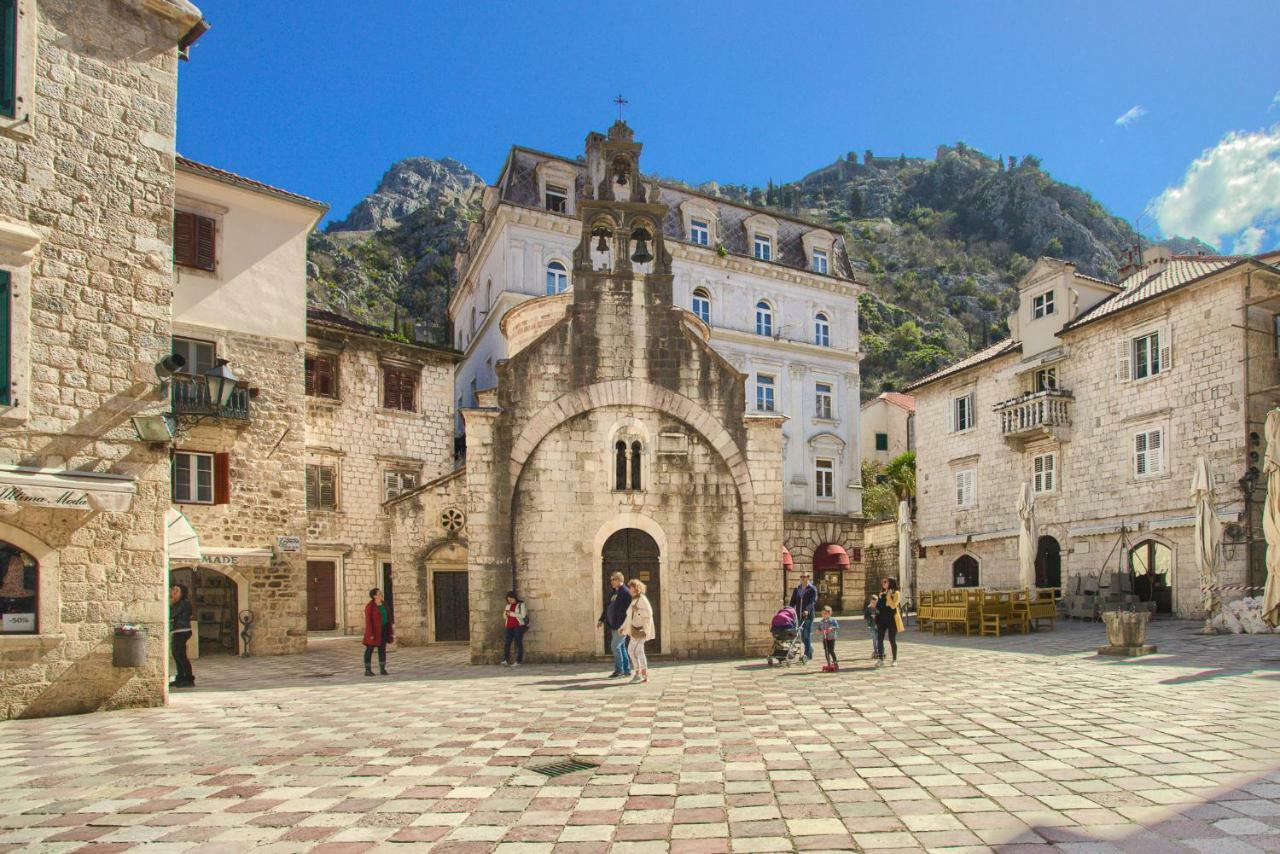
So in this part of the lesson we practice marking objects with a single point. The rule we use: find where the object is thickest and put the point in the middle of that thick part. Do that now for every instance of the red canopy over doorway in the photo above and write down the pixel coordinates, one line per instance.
(830, 556)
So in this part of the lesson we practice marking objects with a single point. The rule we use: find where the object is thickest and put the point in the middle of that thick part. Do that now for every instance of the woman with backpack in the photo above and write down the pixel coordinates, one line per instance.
(515, 618)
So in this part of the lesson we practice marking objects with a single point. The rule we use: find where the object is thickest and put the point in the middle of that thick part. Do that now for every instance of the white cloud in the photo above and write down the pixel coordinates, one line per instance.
(1131, 115)
(1231, 192)
(1275, 102)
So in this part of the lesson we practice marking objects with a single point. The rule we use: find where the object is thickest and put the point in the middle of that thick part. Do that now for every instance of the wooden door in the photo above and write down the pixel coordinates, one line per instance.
(322, 596)
(452, 612)
(635, 554)
(1048, 563)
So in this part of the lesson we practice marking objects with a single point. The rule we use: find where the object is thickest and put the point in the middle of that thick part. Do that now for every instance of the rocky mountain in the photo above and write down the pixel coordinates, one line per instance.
(940, 242)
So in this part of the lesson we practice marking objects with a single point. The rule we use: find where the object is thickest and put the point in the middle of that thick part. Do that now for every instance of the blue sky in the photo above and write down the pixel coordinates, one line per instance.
(320, 100)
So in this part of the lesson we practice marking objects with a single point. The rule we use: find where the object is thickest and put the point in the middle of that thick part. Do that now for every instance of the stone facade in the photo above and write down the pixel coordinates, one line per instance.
(806, 535)
(551, 497)
(880, 551)
(888, 420)
(86, 201)
(362, 440)
(428, 537)
(1211, 391)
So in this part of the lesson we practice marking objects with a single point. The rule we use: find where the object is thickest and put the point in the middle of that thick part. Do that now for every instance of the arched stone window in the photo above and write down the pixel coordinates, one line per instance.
(19, 591)
(620, 466)
(628, 461)
(635, 466)
(557, 278)
(964, 572)
(702, 305)
(821, 330)
(764, 318)
(1152, 564)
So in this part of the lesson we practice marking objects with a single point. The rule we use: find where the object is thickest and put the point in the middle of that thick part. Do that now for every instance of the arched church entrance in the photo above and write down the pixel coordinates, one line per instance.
(635, 554)
(1048, 563)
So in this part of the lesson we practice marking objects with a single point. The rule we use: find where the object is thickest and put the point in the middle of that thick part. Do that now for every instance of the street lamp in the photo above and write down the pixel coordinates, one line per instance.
(154, 429)
(222, 384)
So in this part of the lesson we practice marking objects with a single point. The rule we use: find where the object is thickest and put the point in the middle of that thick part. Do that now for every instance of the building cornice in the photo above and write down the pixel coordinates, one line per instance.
(785, 345)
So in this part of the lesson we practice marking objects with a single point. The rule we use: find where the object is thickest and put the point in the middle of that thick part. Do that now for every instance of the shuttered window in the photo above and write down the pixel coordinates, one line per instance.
(397, 481)
(322, 487)
(201, 478)
(1148, 453)
(966, 488)
(321, 377)
(6, 357)
(194, 241)
(399, 389)
(1044, 472)
(8, 58)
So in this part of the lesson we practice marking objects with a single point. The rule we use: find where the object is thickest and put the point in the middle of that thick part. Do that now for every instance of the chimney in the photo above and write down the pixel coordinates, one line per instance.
(1129, 267)
(1156, 259)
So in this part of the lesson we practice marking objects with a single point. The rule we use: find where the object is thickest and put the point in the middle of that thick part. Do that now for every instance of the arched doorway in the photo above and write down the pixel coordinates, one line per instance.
(1048, 563)
(215, 609)
(1151, 563)
(636, 555)
(830, 563)
(964, 572)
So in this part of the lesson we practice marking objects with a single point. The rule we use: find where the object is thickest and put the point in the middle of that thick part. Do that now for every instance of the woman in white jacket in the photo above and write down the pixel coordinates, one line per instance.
(638, 628)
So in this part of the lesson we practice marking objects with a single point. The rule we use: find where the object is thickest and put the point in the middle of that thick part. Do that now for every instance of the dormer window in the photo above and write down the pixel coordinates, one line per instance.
(1042, 305)
(556, 198)
(819, 261)
(699, 232)
(762, 247)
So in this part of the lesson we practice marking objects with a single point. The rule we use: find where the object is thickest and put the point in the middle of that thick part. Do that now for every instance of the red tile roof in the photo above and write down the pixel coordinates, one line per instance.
(196, 168)
(986, 354)
(897, 398)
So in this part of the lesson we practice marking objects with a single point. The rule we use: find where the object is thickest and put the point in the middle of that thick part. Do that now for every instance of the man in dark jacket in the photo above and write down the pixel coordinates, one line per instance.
(613, 616)
(805, 599)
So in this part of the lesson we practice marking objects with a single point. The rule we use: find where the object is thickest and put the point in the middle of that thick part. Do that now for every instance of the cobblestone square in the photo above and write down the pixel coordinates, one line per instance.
(971, 744)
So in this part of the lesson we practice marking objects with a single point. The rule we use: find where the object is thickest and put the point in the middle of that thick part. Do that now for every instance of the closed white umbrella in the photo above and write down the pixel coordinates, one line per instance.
(904, 543)
(1271, 519)
(1026, 538)
(1208, 537)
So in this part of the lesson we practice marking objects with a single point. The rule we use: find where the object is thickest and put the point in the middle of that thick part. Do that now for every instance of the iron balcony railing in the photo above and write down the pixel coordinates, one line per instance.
(1034, 412)
(191, 398)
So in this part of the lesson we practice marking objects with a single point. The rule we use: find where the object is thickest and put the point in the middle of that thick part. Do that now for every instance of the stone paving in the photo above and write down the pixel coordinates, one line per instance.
(1008, 744)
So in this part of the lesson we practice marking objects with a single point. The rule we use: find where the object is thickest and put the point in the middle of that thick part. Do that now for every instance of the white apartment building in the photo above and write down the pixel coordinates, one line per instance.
(888, 426)
(1103, 399)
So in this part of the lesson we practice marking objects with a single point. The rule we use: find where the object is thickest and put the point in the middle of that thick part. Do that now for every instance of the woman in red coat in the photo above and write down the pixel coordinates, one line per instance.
(377, 632)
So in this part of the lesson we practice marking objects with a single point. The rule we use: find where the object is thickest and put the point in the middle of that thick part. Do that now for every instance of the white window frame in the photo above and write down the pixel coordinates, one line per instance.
(766, 393)
(820, 264)
(967, 488)
(1146, 452)
(24, 82)
(764, 318)
(824, 478)
(557, 277)
(824, 401)
(822, 329)
(1152, 365)
(189, 492)
(962, 404)
(1044, 473)
(1050, 379)
(703, 296)
(1042, 305)
(550, 191)
(189, 346)
(700, 232)
(762, 246)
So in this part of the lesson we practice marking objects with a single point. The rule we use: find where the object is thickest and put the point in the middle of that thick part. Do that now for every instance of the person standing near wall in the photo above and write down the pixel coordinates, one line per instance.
(377, 632)
(179, 634)
(614, 616)
(515, 621)
(639, 628)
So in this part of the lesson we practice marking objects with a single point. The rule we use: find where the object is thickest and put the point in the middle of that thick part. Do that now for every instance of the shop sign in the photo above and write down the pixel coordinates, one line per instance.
(69, 498)
(289, 544)
(19, 623)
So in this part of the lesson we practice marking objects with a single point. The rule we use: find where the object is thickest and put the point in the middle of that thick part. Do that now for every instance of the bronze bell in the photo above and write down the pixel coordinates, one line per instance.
(602, 245)
(642, 254)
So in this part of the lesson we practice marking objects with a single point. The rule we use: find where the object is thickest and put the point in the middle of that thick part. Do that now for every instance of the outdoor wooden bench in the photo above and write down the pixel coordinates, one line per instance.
(947, 616)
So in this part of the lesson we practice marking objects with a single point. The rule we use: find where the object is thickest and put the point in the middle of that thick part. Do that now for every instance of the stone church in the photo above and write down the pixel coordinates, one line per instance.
(616, 439)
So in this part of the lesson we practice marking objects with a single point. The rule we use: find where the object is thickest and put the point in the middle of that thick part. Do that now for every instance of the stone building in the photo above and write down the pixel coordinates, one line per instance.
(1102, 399)
(618, 438)
(239, 310)
(775, 294)
(888, 426)
(379, 422)
(87, 116)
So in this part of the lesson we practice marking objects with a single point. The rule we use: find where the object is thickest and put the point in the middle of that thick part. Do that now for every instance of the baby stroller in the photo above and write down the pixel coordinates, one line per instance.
(787, 644)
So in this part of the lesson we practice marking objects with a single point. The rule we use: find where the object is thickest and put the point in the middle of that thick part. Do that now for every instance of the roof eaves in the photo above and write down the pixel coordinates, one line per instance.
(1009, 346)
(1094, 314)
(204, 170)
(333, 320)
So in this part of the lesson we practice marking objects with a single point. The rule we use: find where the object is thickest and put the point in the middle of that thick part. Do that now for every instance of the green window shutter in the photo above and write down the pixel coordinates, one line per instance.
(8, 57)
(6, 376)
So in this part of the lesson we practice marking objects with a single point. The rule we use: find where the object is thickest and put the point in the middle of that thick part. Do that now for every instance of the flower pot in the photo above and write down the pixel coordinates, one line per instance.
(129, 648)
(1126, 628)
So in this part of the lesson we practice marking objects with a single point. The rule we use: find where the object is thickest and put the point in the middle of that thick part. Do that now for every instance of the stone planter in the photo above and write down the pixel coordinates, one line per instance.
(129, 647)
(1126, 633)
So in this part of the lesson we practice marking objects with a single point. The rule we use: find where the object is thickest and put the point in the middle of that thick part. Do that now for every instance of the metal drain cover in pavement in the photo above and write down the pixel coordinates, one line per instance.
(557, 769)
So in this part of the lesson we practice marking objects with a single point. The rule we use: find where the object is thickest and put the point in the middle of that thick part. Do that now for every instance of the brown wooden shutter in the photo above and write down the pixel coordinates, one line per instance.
(309, 372)
(313, 495)
(205, 233)
(221, 478)
(390, 389)
(327, 488)
(184, 239)
(325, 385)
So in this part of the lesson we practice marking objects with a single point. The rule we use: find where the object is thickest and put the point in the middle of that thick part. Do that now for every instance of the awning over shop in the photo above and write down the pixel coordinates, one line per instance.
(830, 556)
(180, 536)
(787, 563)
(66, 490)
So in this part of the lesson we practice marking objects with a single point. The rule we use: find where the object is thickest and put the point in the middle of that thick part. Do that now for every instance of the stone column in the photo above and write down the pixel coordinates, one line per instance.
(762, 531)
(488, 533)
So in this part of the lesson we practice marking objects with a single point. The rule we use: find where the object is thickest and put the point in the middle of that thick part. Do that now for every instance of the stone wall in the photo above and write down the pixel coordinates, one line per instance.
(362, 439)
(1199, 403)
(92, 173)
(422, 544)
(267, 498)
(805, 533)
(881, 556)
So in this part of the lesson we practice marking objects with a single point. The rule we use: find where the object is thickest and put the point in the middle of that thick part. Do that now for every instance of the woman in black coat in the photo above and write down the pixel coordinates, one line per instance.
(179, 634)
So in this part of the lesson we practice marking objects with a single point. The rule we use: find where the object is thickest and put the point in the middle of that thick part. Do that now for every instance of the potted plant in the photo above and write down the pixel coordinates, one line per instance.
(129, 645)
